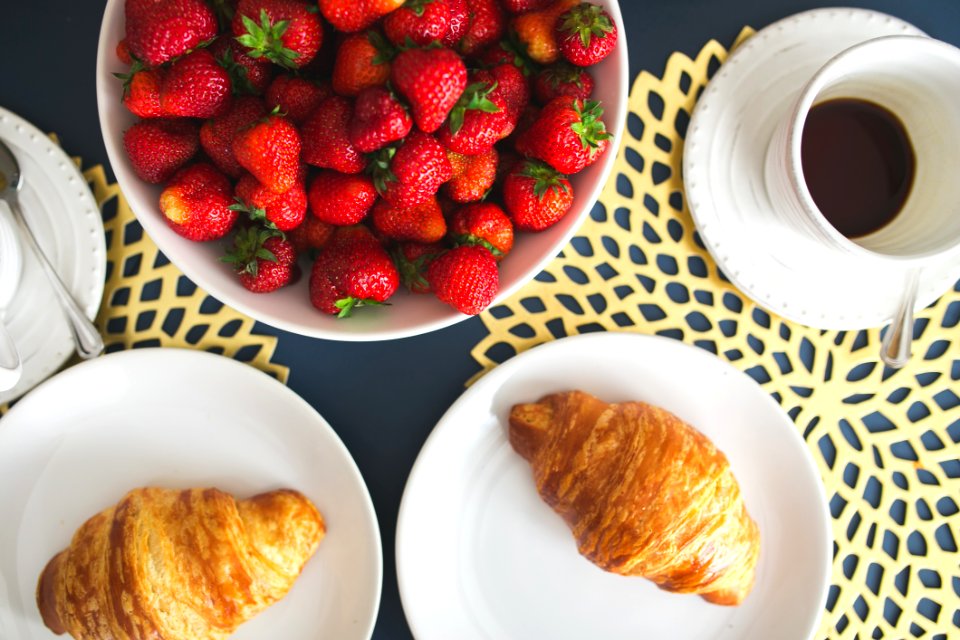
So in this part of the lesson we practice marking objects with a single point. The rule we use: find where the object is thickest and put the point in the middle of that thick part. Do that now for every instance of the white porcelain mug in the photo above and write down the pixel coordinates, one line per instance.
(918, 80)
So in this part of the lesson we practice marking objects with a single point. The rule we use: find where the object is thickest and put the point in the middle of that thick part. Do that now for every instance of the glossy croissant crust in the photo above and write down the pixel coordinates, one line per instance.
(644, 493)
(178, 565)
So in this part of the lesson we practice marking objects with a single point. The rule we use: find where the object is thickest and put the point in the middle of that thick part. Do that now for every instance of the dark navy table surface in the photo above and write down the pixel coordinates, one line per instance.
(383, 398)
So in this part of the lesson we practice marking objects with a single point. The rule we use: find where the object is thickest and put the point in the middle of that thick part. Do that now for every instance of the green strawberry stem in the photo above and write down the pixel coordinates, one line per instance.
(545, 178)
(127, 78)
(564, 73)
(590, 128)
(475, 97)
(411, 271)
(470, 240)
(256, 215)
(385, 51)
(239, 79)
(586, 20)
(248, 250)
(379, 168)
(348, 304)
(265, 40)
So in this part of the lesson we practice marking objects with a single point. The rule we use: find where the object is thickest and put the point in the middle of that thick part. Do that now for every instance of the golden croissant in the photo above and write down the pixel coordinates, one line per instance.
(178, 565)
(644, 493)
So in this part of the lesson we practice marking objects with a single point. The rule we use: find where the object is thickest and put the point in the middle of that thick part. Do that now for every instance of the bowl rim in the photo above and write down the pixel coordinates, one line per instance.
(113, 10)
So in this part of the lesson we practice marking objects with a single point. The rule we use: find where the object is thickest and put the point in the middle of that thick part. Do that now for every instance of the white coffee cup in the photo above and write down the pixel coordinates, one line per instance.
(918, 80)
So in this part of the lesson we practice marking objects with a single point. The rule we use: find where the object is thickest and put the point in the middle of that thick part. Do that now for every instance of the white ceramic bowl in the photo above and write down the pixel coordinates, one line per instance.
(290, 308)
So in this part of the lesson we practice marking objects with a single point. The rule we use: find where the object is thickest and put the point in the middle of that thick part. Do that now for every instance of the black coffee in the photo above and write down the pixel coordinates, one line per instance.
(858, 164)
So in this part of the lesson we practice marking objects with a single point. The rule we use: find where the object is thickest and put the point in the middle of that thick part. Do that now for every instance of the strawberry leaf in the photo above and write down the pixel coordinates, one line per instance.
(586, 21)
(265, 40)
(348, 304)
(474, 98)
(471, 240)
(545, 178)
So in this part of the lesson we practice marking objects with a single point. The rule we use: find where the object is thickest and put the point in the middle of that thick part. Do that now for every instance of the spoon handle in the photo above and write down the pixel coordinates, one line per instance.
(86, 337)
(895, 348)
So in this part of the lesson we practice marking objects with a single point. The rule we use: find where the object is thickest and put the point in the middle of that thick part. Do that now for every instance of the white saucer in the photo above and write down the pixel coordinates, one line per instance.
(178, 419)
(63, 214)
(11, 260)
(481, 556)
(723, 172)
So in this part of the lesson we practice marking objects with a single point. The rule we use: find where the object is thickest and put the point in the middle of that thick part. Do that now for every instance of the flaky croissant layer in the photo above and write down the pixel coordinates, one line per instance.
(178, 565)
(644, 493)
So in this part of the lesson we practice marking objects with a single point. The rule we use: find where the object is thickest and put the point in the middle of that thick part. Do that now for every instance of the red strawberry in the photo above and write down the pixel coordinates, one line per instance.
(123, 52)
(141, 91)
(160, 30)
(286, 32)
(486, 26)
(340, 198)
(513, 85)
(522, 6)
(352, 270)
(284, 211)
(420, 223)
(311, 235)
(270, 150)
(412, 260)
(472, 176)
(504, 52)
(466, 278)
(413, 173)
(378, 119)
(432, 81)
(296, 97)
(264, 260)
(196, 203)
(420, 21)
(354, 15)
(195, 87)
(483, 224)
(536, 31)
(363, 60)
(247, 75)
(586, 34)
(157, 148)
(216, 134)
(536, 195)
(568, 134)
(476, 122)
(326, 143)
(459, 22)
(562, 79)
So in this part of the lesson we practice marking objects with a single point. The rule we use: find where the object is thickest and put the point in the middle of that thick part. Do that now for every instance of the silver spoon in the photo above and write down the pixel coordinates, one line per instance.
(895, 347)
(88, 341)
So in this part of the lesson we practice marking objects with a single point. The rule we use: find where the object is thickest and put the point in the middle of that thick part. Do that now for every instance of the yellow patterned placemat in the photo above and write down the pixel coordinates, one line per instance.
(885, 441)
(148, 302)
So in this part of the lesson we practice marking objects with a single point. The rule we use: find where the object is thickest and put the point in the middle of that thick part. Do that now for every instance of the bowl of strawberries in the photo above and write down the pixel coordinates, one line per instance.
(361, 169)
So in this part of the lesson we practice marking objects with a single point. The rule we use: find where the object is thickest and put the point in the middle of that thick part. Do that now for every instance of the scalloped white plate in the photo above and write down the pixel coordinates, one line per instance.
(63, 214)
(178, 419)
(481, 556)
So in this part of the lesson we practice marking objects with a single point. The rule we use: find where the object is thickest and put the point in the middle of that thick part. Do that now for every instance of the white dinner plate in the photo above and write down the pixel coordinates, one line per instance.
(723, 168)
(63, 214)
(480, 556)
(179, 419)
